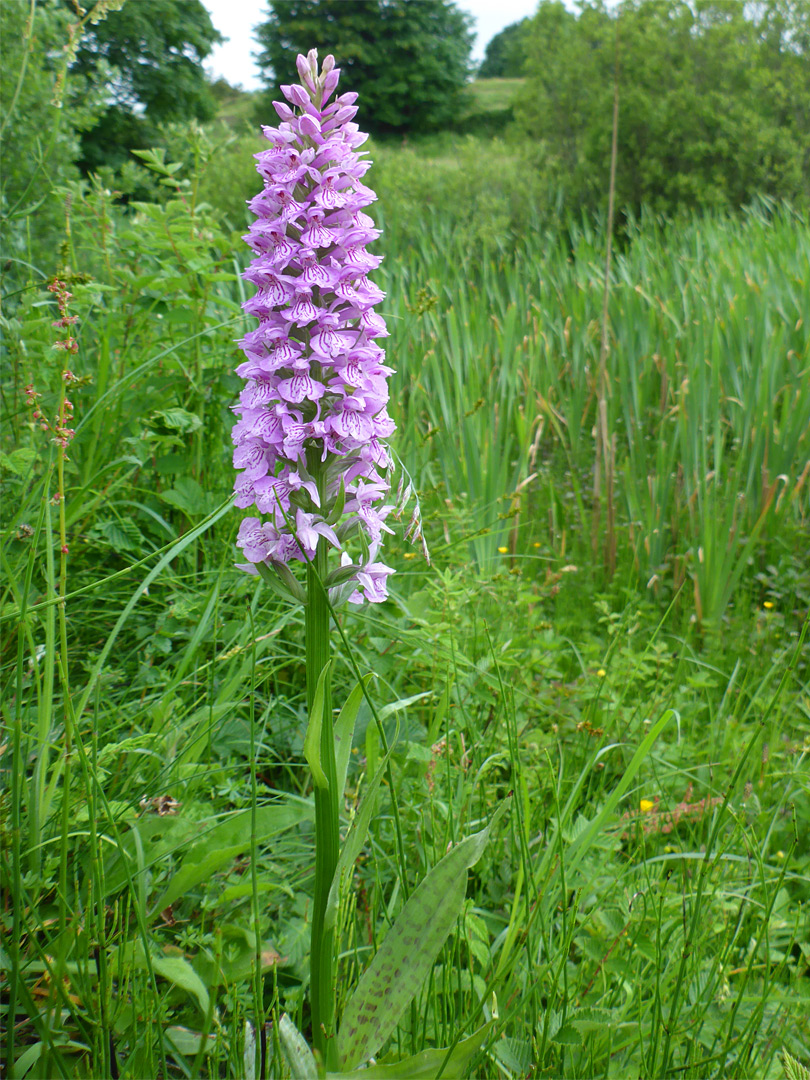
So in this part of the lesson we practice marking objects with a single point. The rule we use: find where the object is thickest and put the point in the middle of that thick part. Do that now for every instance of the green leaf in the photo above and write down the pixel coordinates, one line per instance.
(299, 1056)
(403, 703)
(122, 534)
(271, 579)
(794, 1070)
(177, 419)
(344, 732)
(426, 1065)
(289, 580)
(225, 841)
(189, 1042)
(408, 952)
(355, 840)
(174, 968)
(589, 1019)
(180, 972)
(188, 496)
(568, 1035)
(312, 739)
(19, 461)
(26, 1060)
(342, 574)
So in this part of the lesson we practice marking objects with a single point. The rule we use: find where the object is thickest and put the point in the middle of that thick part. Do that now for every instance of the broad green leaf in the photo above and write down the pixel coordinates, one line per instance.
(424, 1066)
(312, 739)
(403, 703)
(122, 534)
(299, 1056)
(19, 461)
(188, 496)
(344, 732)
(225, 841)
(180, 972)
(408, 952)
(356, 838)
(591, 1019)
(189, 1042)
(32, 1054)
(25, 1061)
(176, 419)
(568, 1035)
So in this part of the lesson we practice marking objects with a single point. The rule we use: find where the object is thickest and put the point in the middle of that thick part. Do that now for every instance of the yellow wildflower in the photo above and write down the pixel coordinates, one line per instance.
(768, 604)
(646, 806)
(601, 673)
(503, 550)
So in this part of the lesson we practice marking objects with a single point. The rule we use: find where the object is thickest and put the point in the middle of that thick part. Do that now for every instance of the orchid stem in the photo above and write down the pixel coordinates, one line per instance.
(327, 835)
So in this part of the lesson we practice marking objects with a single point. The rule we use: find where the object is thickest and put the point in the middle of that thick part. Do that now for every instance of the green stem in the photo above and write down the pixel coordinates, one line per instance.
(327, 836)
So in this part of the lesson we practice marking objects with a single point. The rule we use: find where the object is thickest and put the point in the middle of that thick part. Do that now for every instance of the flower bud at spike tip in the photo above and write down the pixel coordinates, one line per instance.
(310, 438)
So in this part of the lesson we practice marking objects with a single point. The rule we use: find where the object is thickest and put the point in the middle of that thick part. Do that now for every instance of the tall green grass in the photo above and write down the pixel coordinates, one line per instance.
(709, 375)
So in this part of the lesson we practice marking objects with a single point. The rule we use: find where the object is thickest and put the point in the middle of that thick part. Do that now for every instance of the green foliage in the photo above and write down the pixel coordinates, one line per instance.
(40, 140)
(794, 1070)
(643, 910)
(409, 62)
(505, 55)
(153, 52)
(408, 952)
(714, 100)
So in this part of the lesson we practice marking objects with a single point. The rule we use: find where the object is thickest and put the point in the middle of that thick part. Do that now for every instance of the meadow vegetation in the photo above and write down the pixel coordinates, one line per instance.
(630, 665)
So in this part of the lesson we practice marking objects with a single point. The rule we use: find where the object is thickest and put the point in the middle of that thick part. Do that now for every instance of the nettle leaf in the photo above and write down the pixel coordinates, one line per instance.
(408, 952)
(19, 461)
(794, 1070)
(122, 534)
(174, 420)
(591, 1019)
(186, 495)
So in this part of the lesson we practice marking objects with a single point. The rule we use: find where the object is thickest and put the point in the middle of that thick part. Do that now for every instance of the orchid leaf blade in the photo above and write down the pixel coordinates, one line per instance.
(408, 952)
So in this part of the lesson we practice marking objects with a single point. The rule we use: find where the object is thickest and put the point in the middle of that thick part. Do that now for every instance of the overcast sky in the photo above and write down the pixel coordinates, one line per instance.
(235, 20)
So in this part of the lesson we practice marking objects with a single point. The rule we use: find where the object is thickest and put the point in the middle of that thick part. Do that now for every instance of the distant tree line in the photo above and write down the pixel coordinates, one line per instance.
(409, 60)
(714, 94)
(714, 98)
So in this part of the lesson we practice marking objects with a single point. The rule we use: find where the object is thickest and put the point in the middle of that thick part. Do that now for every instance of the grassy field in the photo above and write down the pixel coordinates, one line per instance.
(628, 668)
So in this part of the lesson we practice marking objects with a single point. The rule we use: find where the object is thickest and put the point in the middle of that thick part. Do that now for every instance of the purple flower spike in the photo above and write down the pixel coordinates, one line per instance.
(312, 417)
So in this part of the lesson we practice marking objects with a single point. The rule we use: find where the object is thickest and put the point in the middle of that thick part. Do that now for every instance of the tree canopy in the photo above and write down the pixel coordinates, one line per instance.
(409, 60)
(150, 56)
(714, 99)
(505, 55)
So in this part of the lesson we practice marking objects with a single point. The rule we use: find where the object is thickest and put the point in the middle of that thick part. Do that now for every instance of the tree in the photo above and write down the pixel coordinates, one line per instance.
(150, 54)
(714, 100)
(505, 55)
(39, 142)
(409, 60)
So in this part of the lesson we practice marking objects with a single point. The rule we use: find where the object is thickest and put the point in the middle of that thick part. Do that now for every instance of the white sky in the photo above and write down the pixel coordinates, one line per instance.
(235, 20)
